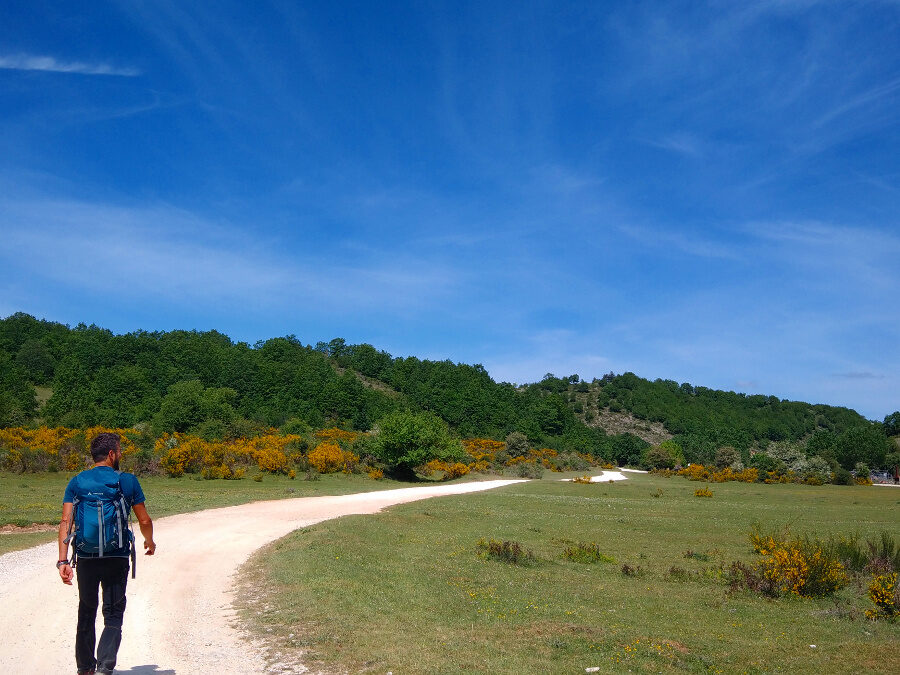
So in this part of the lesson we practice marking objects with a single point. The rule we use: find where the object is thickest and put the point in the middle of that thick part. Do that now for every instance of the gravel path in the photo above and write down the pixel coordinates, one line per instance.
(179, 617)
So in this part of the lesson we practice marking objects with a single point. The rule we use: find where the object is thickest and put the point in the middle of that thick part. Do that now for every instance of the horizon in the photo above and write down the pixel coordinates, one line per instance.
(700, 193)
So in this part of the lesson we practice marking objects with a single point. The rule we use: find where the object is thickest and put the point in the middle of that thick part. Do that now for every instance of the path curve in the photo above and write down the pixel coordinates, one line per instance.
(179, 617)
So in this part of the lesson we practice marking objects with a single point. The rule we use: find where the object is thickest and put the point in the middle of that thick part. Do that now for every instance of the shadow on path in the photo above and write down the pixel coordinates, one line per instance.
(151, 669)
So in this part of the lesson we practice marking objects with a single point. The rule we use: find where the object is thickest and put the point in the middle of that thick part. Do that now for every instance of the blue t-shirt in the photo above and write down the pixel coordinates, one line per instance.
(105, 475)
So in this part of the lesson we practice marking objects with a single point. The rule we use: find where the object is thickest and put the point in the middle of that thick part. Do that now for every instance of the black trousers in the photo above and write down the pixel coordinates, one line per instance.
(110, 574)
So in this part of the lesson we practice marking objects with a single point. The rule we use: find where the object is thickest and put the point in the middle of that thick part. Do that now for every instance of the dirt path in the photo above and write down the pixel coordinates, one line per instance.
(179, 617)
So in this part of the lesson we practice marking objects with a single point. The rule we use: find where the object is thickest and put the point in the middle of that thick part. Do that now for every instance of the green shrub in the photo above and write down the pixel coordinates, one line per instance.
(529, 470)
(517, 444)
(505, 551)
(406, 440)
(842, 477)
(765, 463)
(883, 554)
(586, 553)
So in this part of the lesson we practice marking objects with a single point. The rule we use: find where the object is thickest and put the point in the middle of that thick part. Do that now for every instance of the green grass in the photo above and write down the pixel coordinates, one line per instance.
(27, 499)
(407, 591)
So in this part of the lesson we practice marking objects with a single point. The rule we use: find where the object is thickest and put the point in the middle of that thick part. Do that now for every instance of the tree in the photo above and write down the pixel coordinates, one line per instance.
(892, 462)
(892, 424)
(726, 456)
(658, 457)
(190, 406)
(862, 444)
(406, 440)
(765, 463)
(517, 444)
(35, 359)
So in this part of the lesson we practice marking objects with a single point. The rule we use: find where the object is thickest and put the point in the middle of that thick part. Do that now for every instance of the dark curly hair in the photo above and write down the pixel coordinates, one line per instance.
(103, 444)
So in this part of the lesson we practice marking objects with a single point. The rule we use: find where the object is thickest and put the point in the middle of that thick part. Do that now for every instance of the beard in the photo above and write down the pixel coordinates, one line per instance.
(115, 464)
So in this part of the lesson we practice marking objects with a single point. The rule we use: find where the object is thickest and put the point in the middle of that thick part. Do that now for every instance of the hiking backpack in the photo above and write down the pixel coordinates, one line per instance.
(101, 522)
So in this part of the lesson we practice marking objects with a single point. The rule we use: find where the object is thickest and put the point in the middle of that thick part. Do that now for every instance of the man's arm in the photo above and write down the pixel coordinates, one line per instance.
(146, 526)
(65, 571)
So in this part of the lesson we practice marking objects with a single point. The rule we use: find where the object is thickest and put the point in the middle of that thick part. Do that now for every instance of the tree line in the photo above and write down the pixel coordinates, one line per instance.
(202, 382)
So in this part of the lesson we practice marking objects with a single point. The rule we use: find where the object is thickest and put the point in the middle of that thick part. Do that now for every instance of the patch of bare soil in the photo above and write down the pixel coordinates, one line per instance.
(27, 529)
(624, 422)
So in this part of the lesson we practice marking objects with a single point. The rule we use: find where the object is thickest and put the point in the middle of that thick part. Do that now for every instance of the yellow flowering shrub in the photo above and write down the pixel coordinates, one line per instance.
(336, 435)
(483, 448)
(52, 448)
(883, 592)
(376, 474)
(328, 457)
(703, 492)
(695, 472)
(797, 566)
(806, 570)
(456, 470)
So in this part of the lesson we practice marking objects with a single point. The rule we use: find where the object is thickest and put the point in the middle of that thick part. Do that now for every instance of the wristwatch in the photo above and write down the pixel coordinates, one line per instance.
(61, 563)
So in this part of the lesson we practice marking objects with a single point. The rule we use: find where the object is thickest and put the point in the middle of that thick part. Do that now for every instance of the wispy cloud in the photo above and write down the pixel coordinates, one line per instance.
(681, 143)
(860, 375)
(859, 100)
(170, 256)
(51, 64)
(696, 245)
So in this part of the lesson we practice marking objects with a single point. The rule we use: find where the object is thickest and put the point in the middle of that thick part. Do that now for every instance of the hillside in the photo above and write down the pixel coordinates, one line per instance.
(205, 383)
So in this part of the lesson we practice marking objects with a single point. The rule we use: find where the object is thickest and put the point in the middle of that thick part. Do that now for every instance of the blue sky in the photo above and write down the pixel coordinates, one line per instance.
(704, 192)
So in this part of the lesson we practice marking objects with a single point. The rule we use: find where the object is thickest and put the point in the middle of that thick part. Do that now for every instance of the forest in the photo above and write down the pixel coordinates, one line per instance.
(205, 384)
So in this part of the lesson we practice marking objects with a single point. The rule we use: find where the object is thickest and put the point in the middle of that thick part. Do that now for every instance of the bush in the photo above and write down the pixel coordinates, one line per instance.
(586, 553)
(328, 457)
(658, 458)
(842, 477)
(764, 463)
(863, 474)
(883, 592)
(517, 444)
(505, 551)
(726, 456)
(406, 440)
(529, 470)
(703, 492)
(800, 566)
(883, 553)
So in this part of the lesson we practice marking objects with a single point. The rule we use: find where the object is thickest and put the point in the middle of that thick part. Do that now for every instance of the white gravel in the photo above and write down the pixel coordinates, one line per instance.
(179, 616)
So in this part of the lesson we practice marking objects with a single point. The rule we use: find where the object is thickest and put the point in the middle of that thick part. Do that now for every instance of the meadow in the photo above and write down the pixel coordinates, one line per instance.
(36, 498)
(410, 590)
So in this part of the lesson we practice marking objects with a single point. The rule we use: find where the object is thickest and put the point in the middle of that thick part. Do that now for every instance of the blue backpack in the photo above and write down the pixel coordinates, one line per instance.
(101, 521)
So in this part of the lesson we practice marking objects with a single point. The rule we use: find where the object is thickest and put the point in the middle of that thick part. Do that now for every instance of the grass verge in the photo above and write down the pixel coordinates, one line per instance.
(28, 499)
(407, 590)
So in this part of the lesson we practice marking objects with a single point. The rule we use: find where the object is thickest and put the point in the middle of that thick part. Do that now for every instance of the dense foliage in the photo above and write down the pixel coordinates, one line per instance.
(205, 384)
(705, 422)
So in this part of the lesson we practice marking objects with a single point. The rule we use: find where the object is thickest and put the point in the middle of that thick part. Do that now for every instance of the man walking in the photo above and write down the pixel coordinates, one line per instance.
(108, 568)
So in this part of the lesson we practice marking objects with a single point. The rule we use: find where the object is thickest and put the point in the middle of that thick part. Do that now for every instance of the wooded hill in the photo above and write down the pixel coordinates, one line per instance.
(205, 383)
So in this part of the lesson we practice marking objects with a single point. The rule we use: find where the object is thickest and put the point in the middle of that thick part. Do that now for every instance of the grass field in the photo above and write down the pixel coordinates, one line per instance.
(406, 591)
(27, 499)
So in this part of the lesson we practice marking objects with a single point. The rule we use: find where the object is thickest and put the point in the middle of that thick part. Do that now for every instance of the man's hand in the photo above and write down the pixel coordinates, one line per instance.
(150, 546)
(66, 573)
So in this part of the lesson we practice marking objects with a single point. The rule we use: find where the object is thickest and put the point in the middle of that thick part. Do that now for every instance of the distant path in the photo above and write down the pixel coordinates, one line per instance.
(179, 616)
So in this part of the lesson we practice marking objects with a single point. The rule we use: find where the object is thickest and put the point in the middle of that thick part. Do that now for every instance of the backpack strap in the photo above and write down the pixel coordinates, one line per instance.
(72, 529)
(132, 544)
